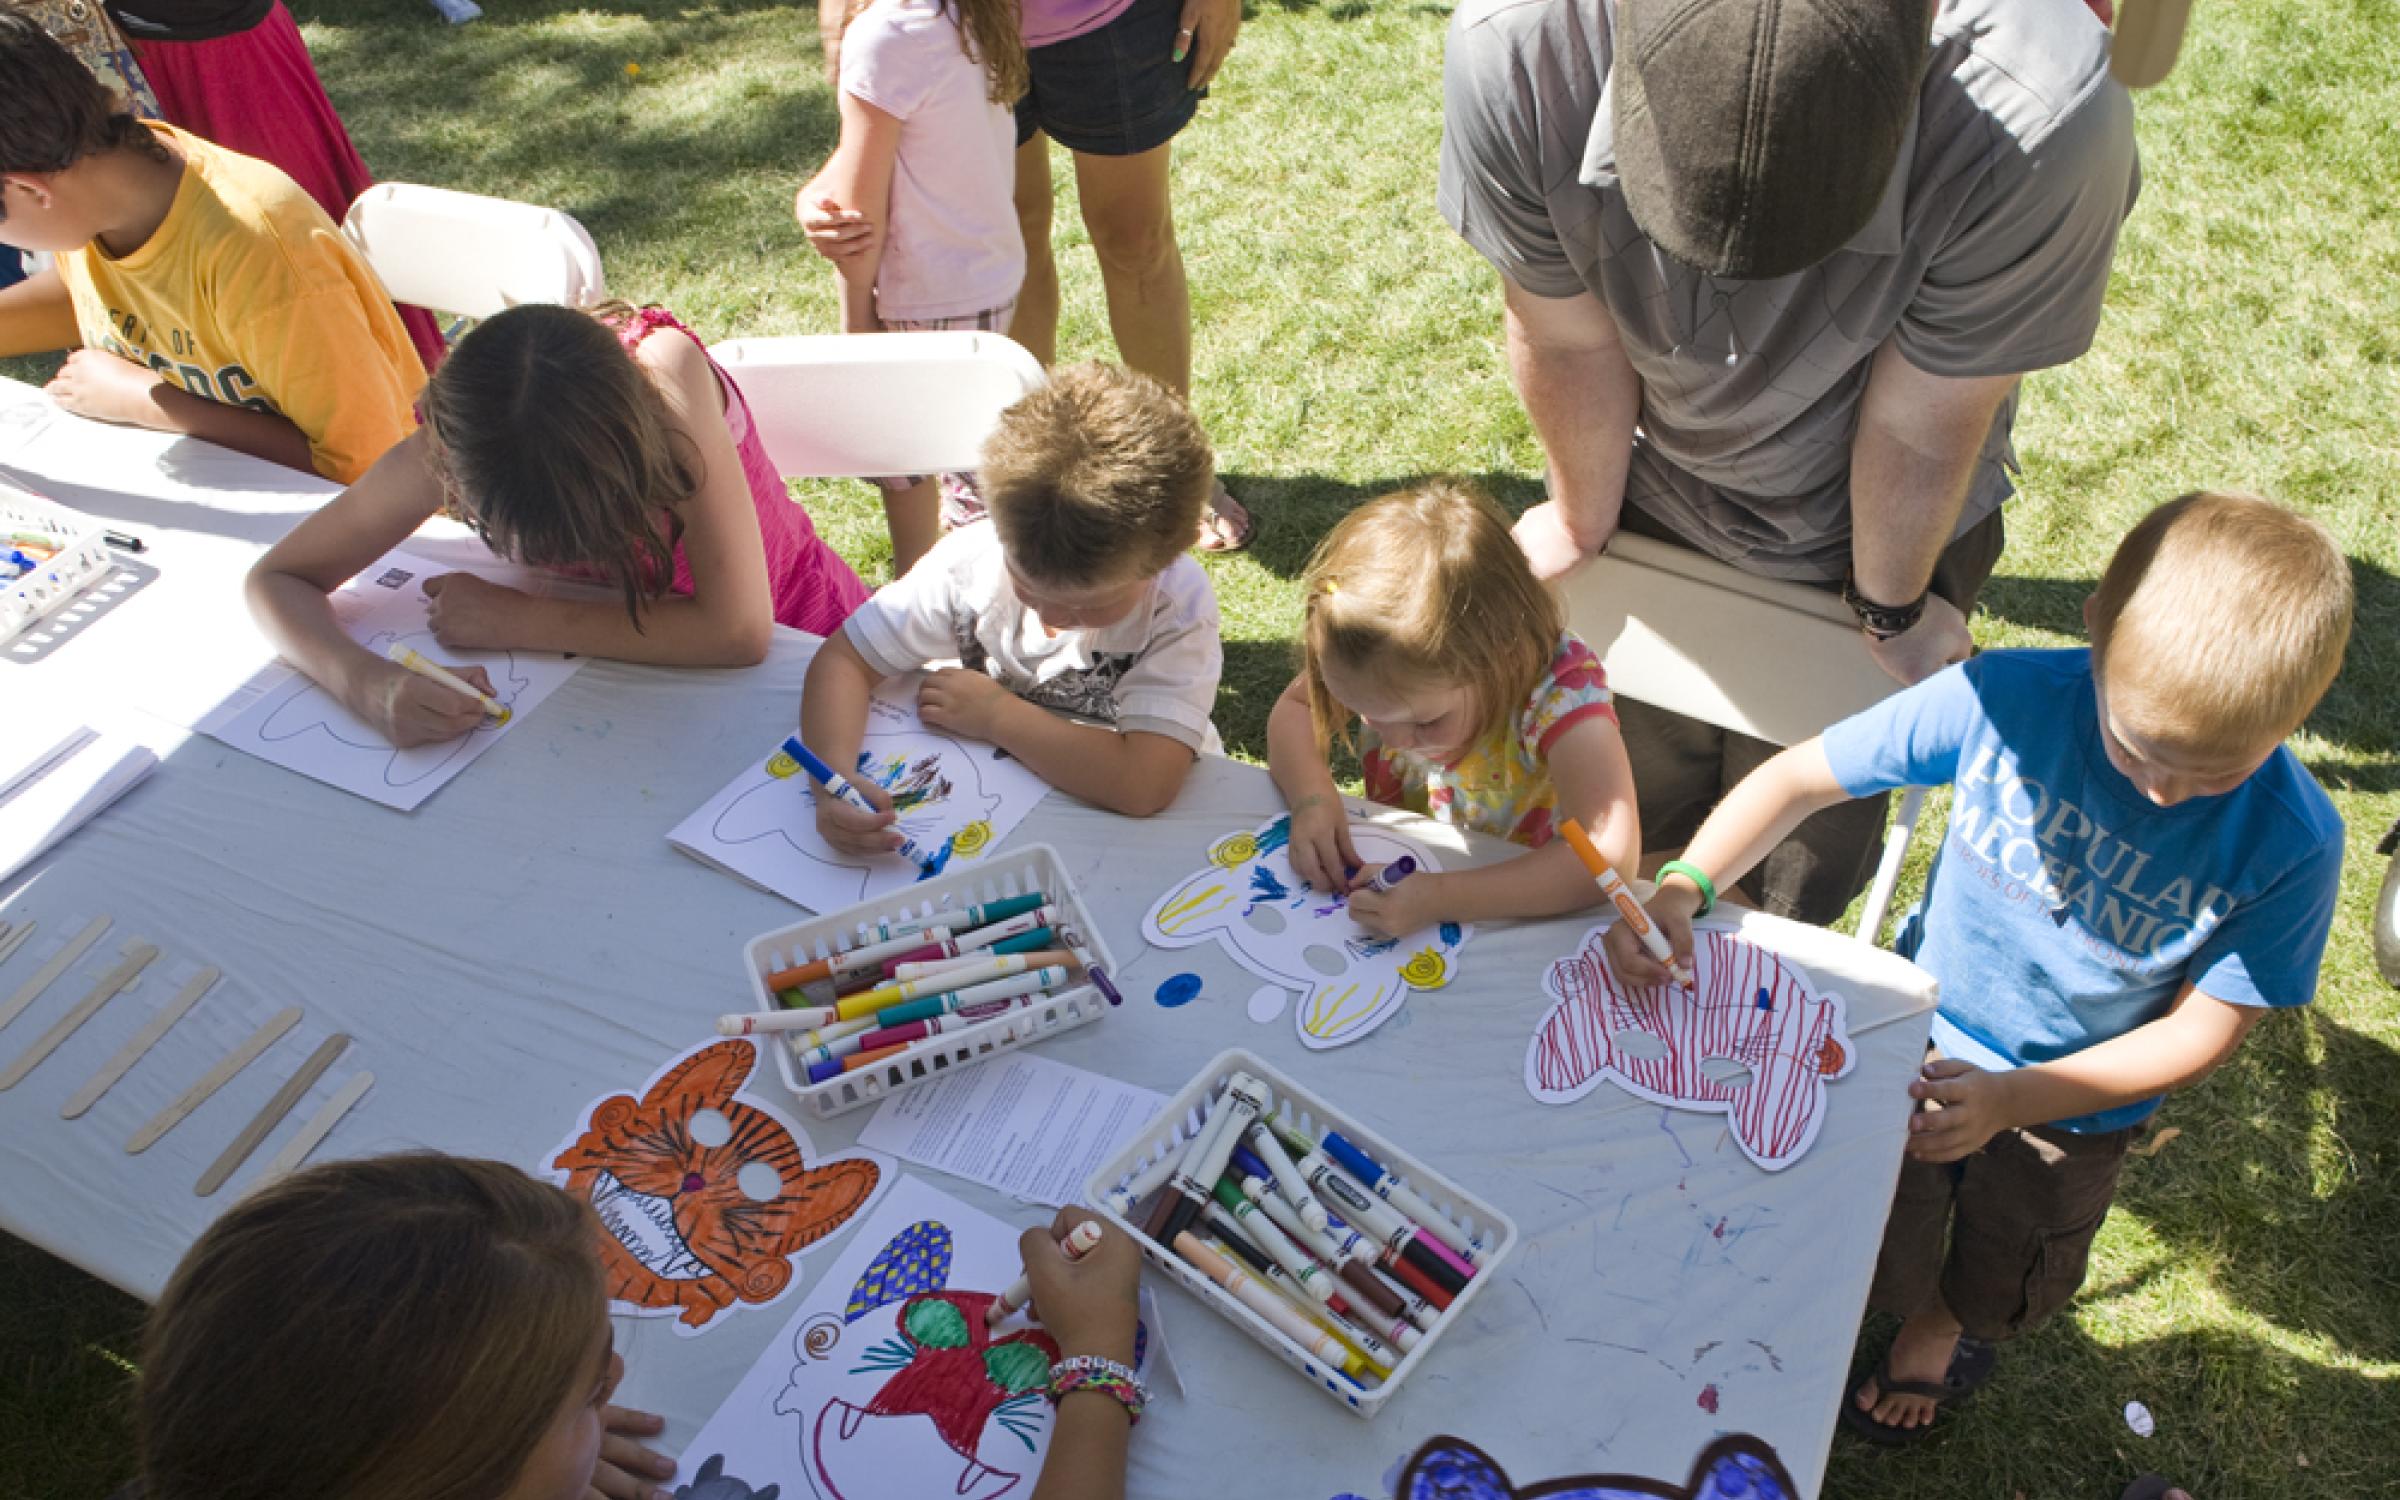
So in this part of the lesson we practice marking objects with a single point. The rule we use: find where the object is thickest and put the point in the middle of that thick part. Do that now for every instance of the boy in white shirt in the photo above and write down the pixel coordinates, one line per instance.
(1076, 598)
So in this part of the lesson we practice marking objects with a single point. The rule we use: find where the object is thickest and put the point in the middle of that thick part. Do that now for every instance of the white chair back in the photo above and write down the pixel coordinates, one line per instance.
(470, 255)
(1778, 661)
(861, 406)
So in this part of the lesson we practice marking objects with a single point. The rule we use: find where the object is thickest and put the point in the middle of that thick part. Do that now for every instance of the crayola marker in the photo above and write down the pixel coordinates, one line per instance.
(1310, 1277)
(493, 709)
(1380, 1181)
(1382, 1222)
(801, 758)
(1226, 1241)
(1080, 1242)
(973, 916)
(959, 1002)
(1032, 940)
(1141, 1184)
(848, 962)
(1614, 892)
(1244, 1100)
(1276, 1312)
(1287, 1176)
(1391, 875)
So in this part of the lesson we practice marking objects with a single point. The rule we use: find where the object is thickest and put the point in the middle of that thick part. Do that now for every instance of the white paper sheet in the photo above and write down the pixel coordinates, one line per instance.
(52, 791)
(282, 717)
(887, 1384)
(953, 793)
(1026, 1126)
(1351, 981)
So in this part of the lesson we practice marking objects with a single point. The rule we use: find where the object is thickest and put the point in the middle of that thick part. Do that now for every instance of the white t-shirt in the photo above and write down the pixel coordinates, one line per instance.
(952, 246)
(1155, 671)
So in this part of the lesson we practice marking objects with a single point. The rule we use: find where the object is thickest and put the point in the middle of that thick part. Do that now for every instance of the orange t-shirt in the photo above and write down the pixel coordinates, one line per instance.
(247, 294)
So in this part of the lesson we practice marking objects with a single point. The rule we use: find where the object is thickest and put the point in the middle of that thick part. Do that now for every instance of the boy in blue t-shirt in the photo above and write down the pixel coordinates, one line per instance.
(2135, 870)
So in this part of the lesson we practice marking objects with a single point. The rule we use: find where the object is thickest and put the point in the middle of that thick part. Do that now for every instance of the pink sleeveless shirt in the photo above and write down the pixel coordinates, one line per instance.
(814, 589)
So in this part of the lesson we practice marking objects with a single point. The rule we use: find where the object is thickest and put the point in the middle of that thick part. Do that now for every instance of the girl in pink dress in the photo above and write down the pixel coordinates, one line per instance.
(605, 445)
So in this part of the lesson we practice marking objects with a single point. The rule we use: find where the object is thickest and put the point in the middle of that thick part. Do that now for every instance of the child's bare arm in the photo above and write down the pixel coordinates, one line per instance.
(37, 316)
(2178, 1049)
(833, 720)
(855, 187)
(1131, 772)
(287, 591)
(1595, 787)
(111, 388)
(1322, 854)
(1754, 817)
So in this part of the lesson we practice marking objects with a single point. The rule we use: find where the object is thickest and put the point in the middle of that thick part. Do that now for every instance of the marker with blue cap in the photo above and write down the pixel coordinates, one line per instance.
(1400, 1195)
(805, 759)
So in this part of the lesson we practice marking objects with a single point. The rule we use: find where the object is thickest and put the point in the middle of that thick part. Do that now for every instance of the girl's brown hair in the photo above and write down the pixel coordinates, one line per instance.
(1426, 583)
(401, 1328)
(558, 447)
(992, 33)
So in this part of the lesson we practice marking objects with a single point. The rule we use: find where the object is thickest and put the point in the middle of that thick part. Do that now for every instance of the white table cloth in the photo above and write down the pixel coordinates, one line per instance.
(527, 941)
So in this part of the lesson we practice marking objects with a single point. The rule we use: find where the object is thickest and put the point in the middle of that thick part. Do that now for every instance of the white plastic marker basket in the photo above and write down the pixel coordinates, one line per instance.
(82, 558)
(1172, 1129)
(995, 878)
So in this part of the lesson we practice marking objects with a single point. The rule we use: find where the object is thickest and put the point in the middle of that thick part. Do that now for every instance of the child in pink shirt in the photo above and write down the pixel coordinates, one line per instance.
(927, 160)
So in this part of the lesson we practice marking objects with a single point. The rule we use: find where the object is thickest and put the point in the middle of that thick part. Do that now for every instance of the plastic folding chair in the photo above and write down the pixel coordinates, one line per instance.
(472, 256)
(1777, 661)
(861, 406)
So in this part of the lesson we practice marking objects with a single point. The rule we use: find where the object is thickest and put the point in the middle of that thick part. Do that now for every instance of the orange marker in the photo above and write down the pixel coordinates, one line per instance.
(858, 1060)
(1613, 888)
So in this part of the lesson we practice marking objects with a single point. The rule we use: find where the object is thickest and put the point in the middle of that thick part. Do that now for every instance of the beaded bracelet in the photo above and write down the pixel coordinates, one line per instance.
(1089, 1372)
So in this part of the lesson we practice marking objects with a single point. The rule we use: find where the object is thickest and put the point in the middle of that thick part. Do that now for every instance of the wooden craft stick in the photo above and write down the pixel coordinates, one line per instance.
(15, 940)
(143, 1040)
(129, 968)
(319, 1126)
(214, 1079)
(267, 1119)
(59, 963)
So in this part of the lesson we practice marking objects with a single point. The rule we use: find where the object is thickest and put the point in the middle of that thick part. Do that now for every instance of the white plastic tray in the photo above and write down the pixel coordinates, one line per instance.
(83, 558)
(1180, 1119)
(994, 878)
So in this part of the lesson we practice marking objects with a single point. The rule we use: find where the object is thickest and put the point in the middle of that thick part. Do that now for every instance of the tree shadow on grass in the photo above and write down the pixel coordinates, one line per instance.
(1295, 511)
(2234, 1417)
(2360, 713)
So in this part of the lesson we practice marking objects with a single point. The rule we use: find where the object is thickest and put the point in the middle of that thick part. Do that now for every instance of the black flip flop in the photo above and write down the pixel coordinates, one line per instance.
(2148, 1487)
(1971, 1364)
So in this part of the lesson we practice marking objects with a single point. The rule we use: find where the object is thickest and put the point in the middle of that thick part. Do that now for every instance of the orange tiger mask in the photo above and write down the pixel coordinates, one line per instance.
(704, 1199)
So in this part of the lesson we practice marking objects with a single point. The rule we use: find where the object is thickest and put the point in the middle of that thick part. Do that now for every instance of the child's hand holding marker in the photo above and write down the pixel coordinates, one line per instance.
(1636, 935)
(409, 707)
(1322, 854)
(1090, 1302)
(1670, 911)
(1390, 903)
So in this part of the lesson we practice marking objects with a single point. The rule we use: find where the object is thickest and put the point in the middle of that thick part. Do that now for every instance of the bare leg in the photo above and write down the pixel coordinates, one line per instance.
(1127, 208)
(1921, 1350)
(1035, 324)
(914, 516)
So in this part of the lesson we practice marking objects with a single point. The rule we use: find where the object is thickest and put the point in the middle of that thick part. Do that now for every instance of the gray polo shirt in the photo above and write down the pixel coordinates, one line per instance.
(1988, 256)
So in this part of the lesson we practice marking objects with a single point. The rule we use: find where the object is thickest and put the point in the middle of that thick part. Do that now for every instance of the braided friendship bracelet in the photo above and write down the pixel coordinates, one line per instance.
(1089, 1372)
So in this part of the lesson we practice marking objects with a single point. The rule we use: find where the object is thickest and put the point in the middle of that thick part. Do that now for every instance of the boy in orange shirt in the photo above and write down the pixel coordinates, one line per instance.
(208, 293)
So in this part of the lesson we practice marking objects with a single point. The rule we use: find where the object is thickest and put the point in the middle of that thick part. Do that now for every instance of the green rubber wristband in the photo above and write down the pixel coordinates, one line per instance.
(1698, 877)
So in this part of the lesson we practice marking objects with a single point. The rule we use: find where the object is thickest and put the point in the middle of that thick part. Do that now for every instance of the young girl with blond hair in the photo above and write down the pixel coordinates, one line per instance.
(428, 1327)
(914, 207)
(1475, 706)
(606, 445)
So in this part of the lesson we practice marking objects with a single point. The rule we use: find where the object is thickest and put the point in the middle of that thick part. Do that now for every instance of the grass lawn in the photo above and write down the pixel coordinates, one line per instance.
(2248, 1286)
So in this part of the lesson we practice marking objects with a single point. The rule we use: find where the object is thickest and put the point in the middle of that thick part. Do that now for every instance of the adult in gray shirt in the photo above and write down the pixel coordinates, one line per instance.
(1772, 269)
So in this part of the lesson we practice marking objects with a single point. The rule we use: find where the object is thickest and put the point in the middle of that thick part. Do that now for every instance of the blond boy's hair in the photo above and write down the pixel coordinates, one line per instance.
(1426, 584)
(2220, 622)
(1098, 476)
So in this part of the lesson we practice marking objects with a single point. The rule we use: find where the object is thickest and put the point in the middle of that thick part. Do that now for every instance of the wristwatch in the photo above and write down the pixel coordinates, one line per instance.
(1882, 621)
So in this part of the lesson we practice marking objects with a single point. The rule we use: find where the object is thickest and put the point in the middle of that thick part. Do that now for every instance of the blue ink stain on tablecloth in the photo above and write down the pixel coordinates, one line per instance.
(1179, 989)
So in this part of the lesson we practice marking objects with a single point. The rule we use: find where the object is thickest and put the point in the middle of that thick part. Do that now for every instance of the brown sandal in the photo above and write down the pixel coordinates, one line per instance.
(1226, 526)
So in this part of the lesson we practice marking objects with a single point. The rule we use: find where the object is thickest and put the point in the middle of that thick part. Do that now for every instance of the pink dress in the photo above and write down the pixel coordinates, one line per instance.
(814, 589)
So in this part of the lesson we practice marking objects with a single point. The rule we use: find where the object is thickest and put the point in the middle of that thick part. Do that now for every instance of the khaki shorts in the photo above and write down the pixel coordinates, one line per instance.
(2018, 1218)
(1683, 767)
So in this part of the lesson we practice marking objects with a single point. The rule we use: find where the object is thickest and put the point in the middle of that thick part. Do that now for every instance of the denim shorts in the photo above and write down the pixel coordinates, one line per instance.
(1115, 91)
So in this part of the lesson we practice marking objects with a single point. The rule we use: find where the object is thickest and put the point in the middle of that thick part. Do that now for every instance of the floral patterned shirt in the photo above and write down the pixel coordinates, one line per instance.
(1500, 784)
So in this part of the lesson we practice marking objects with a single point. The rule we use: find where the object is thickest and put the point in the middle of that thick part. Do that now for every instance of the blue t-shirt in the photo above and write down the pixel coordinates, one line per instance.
(2064, 908)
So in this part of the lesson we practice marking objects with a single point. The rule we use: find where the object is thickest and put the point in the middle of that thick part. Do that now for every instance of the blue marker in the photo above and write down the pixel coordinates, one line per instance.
(1392, 874)
(1398, 1194)
(798, 757)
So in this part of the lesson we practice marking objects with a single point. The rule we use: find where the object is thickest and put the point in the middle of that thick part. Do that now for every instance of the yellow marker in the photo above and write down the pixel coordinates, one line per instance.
(493, 708)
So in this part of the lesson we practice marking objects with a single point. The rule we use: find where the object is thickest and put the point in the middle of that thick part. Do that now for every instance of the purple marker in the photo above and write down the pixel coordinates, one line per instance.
(1392, 874)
